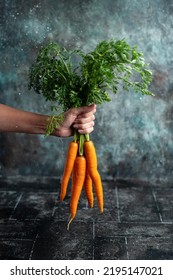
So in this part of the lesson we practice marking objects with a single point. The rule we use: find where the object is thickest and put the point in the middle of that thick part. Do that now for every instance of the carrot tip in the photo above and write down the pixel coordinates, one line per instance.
(91, 205)
(68, 226)
(61, 196)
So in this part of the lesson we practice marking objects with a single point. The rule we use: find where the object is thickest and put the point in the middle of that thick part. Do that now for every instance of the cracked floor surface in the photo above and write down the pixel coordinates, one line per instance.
(137, 223)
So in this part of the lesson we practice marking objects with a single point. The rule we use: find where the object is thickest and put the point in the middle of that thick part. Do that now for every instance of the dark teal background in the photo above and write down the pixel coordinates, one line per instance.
(133, 134)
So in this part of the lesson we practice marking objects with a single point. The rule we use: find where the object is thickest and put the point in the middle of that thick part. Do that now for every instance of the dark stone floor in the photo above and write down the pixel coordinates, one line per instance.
(137, 223)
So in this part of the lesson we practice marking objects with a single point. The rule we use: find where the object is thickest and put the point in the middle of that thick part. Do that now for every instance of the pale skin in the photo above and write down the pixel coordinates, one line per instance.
(20, 121)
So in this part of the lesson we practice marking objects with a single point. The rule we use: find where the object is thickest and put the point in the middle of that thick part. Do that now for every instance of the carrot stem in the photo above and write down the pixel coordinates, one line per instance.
(87, 137)
(81, 144)
(81, 138)
(75, 137)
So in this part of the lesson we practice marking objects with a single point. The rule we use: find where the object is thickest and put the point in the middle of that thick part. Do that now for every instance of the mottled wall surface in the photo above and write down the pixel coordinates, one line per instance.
(133, 134)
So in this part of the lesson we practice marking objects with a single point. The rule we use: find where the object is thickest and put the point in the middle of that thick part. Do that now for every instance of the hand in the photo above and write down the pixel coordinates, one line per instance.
(81, 119)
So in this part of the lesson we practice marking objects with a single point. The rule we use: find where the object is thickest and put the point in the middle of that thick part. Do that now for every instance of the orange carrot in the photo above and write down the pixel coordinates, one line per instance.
(70, 159)
(88, 189)
(79, 172)
(91, 158)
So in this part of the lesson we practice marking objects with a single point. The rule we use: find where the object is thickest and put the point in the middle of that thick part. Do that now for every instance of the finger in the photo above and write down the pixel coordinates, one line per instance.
(84, 120)
(83, 110)
(86, 115)
(83, 126)
(86, 131)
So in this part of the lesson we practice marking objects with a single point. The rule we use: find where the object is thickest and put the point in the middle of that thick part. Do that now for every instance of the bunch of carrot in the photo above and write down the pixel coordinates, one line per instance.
(81, 164)
(73, 79)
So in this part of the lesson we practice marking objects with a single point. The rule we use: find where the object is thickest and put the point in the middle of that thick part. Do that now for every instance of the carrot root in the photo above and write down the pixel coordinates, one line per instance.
(78, 178)
(70, 220)
(70, 159)
(88, 190)
(91, 158)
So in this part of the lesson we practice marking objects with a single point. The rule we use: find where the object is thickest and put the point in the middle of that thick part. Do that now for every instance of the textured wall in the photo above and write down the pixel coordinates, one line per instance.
(133, 133)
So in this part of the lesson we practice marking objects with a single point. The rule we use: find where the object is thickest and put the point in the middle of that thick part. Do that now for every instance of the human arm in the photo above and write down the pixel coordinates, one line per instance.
(20, 121)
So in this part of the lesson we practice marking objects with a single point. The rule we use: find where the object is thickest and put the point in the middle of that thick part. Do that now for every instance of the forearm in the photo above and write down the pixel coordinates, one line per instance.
(14, 120)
